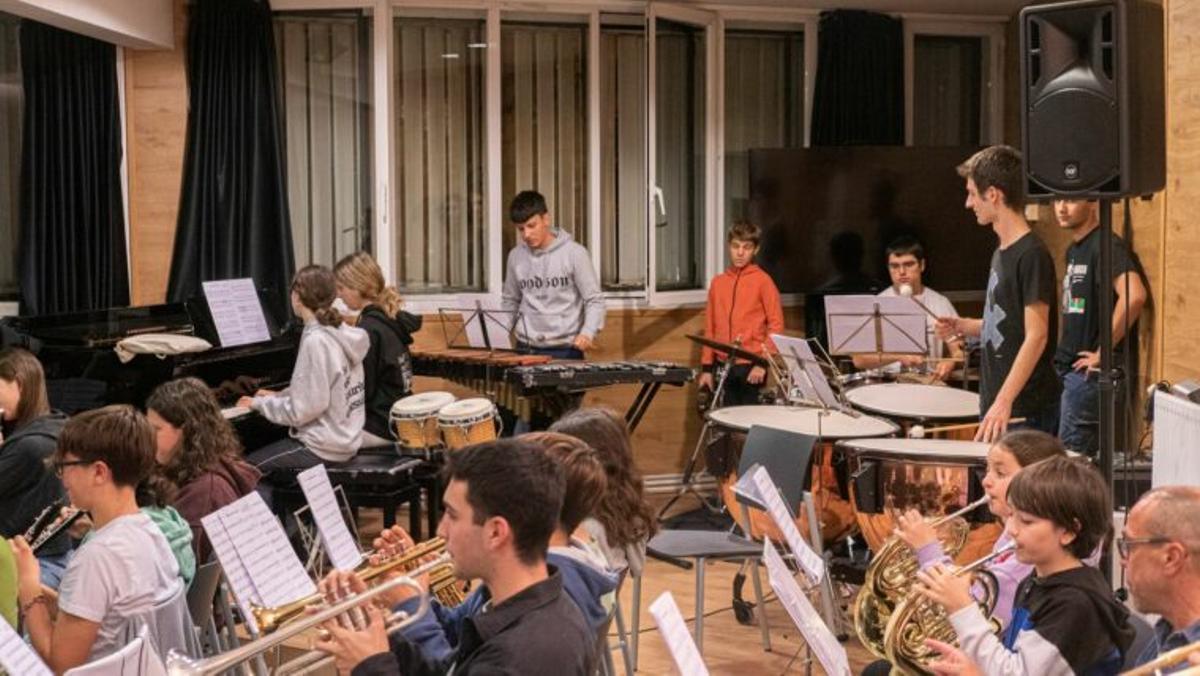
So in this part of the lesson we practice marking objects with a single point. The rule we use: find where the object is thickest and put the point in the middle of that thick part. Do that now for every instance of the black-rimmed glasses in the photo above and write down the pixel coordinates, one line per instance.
(60, 464)
(1126, 544)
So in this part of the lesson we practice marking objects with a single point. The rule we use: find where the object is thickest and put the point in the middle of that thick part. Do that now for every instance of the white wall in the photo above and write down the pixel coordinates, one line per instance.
(139, 24)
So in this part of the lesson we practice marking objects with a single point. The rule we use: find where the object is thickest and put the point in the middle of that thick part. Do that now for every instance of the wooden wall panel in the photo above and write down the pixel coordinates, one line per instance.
(1180, 283)
(156, 105)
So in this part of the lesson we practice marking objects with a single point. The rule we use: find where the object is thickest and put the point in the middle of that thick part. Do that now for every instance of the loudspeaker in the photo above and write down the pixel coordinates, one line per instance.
(1093, 121)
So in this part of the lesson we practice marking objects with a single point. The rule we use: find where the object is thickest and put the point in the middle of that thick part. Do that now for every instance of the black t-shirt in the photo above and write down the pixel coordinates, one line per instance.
(1081, 297)
(1021, 275)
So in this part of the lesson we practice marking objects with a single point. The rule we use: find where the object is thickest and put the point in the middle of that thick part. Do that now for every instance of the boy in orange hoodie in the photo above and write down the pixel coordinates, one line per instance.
(743, 304)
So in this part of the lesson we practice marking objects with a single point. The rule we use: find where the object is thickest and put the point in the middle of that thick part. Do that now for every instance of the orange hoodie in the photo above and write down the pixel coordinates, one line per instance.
(742, 303)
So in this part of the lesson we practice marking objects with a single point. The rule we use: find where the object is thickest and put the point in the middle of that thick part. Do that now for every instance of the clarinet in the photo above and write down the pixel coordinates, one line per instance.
(50, 522)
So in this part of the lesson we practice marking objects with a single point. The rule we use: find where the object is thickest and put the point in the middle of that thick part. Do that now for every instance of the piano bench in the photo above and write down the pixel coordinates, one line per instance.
(372, 479)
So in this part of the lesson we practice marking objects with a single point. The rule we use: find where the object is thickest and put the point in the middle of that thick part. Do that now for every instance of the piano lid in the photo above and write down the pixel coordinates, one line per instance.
(105, 328)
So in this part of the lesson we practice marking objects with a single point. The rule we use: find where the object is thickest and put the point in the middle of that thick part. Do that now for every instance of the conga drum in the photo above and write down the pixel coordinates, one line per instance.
(469, 421)
(911, 404)
(414, 419)
(833, 509)
(932, 476)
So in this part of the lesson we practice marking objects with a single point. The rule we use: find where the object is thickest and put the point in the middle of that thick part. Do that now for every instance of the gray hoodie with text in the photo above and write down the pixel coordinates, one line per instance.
(556, 291)
(324, 403)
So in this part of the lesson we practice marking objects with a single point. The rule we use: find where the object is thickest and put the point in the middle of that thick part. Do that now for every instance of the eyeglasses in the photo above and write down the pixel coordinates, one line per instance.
(1126, 545)
(60, 464)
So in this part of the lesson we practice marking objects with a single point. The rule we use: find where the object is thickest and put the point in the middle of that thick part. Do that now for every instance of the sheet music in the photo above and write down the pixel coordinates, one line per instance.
(244, 593)
(277, 574)
(812, 564)
(679, 641)
(335, 534)
(805, 370)
(1176, 427)
(17, 656)
(830, 653)
(236, 312)
(852, 328)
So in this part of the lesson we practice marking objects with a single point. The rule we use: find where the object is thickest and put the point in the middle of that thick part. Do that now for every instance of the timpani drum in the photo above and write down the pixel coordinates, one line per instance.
(911, 404)
(932, 476)
(469, 421)
(835, 511)
(414, 419)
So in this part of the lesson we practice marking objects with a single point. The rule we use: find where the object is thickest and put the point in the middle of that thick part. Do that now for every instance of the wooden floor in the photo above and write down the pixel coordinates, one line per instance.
(729, 647)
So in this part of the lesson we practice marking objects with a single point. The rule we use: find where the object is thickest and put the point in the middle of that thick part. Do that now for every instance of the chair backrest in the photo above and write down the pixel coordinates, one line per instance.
(1144, 634)
(602, 648)
(137, 658)
(202, 593)
(785, 455)
(167, 626)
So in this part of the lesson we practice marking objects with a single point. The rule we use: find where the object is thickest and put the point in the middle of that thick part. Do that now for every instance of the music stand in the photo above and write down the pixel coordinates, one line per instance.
(875, 325)
(485, 328)
(808, 381)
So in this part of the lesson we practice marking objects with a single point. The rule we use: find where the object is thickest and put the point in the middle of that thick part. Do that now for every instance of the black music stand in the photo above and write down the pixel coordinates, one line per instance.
(875, 325)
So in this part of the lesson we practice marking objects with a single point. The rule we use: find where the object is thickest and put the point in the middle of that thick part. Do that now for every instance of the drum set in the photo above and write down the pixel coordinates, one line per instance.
(882, 445)
(432, 421)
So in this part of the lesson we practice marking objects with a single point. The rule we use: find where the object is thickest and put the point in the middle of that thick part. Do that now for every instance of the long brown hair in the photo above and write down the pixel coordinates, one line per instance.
(360, 272)
(317, 288)
(21, 367)
(189, 405)
(623, 511)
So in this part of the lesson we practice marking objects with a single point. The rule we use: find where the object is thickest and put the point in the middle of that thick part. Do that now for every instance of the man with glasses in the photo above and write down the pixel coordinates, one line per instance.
(1160, 550)
(906, 265)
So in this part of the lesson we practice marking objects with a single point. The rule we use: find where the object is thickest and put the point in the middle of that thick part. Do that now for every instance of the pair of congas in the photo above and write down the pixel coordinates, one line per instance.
(433, 420)
(862, 473)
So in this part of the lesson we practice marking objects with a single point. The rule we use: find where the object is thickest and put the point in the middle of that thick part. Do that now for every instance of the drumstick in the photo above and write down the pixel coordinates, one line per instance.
(963, 426)
(906, 291)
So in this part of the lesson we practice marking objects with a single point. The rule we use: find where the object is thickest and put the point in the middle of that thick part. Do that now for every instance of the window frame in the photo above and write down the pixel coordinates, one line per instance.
(716, 18)
(990, 29)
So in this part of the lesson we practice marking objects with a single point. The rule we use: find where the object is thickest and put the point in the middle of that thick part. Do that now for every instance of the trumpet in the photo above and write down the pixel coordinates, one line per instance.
(916, 618)
(179, 664)
(890, 576)
(1164, 662)
(442, 584)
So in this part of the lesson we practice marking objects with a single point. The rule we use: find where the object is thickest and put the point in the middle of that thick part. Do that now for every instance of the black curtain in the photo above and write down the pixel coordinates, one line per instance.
(859, 94)
(72, 237)
(233, 215)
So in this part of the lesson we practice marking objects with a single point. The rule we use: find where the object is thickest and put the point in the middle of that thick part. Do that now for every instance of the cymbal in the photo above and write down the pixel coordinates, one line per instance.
(726, 348)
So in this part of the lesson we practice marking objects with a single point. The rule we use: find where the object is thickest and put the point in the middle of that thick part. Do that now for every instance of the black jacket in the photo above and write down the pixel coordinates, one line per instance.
(538, 631)
(27, 485)
(388, 366)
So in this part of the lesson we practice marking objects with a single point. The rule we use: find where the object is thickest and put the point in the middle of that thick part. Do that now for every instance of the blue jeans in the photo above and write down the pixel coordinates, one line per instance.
(556, 352)
(1079, 426)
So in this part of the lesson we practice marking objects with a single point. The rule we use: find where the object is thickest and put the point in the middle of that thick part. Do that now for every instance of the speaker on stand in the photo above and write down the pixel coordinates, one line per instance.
(1093, 126)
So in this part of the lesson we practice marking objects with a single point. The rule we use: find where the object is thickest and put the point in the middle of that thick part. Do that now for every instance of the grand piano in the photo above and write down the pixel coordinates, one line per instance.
(83, 370)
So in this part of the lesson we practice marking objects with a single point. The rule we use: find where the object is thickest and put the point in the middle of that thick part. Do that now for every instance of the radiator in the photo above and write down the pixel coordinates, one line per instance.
(1176, 440)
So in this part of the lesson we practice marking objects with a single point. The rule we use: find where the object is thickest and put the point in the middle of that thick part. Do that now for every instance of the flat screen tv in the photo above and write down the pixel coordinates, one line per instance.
(821, 208)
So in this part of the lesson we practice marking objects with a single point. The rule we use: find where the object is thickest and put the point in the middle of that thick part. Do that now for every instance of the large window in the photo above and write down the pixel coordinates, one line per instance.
(325, 81)
(948, 76)
(764, 105)
(440, 163)
(623, 205)
(545, 120)
(680, 155)
(11, 102)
